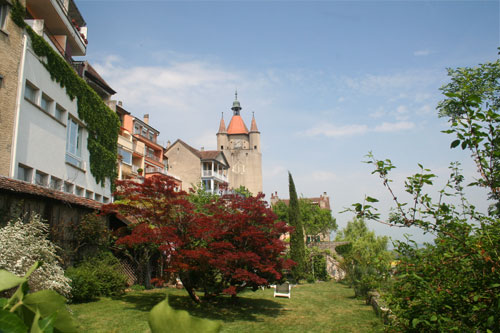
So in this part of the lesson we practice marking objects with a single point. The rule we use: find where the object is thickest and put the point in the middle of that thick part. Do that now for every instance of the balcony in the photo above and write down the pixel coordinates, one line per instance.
(156, 170)
(62, 22)
(209, 174)
(153, 158)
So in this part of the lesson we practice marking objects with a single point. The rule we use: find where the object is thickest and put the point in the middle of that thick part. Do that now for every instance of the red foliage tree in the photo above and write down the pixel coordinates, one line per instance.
(233, 243)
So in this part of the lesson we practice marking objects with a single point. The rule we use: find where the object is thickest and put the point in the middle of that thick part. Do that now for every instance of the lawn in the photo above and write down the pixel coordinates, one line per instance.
(320, 307)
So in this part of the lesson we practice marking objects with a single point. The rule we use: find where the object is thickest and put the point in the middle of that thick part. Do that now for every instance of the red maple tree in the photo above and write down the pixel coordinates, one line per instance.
(231, 244)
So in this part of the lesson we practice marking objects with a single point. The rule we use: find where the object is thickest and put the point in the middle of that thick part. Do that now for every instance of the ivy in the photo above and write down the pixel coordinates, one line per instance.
(101, 122)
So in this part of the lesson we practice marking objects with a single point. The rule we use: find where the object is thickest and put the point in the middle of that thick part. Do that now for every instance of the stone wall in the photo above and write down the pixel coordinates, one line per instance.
(11, 47)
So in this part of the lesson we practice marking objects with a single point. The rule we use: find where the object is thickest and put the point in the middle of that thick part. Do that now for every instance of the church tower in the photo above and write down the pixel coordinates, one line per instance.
(242, 150)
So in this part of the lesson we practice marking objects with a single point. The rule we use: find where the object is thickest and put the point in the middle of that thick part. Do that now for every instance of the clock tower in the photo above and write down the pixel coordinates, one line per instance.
(242, 150)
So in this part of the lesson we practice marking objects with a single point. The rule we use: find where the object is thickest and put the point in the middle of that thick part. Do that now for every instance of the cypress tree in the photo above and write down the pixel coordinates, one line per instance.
(297, 246)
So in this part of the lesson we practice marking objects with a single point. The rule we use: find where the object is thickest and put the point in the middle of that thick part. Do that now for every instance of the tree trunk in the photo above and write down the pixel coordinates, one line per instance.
(186, 282)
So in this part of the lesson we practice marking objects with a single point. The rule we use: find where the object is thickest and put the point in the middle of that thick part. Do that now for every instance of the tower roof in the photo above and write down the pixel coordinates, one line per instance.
(222, 126)
(253, 127)
(237, 126)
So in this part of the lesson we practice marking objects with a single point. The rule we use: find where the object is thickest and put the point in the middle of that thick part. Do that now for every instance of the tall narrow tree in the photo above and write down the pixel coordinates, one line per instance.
(297, 246)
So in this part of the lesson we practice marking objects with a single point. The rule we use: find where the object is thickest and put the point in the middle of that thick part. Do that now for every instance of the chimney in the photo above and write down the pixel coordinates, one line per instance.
(120, 103)
(202, 149)
(168, 144)
(146, 118)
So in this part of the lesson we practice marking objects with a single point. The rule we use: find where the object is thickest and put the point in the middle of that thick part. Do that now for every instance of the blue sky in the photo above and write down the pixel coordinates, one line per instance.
(328, 81)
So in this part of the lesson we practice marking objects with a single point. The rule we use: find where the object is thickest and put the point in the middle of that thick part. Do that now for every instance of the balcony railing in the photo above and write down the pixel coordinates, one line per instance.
(156, 170)
(215, 174)
(153, 157)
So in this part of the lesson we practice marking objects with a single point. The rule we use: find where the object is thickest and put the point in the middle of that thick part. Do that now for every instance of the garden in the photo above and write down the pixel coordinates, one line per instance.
(223, 250)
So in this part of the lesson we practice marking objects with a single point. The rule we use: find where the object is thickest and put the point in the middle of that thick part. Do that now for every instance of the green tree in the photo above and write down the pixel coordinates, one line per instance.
(297, 246)
(366, 259)
(472, 106)
(315, 220)
(452, 284)
(242, 190)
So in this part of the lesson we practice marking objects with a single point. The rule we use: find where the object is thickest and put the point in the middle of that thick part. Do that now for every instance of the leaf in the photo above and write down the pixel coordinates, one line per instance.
(370, 199)
(434, 318)
(455, 143)
(415, 322)
(51, 303)
(163, 318)
(11, 323)
(9, 280)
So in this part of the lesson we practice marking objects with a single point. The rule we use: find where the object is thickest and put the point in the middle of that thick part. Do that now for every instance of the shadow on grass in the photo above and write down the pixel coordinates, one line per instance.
(228, 309)
(142, 301)
(220, 308)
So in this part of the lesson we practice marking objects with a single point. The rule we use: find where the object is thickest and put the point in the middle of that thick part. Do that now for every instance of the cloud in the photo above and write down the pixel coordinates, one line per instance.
(394, 127)
(395, 86)
(421, 53)
(331, 130)
(323, 176)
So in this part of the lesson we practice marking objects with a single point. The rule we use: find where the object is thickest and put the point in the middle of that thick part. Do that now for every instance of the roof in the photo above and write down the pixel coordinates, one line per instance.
(92, 74)
(237, 126)
(202, 155)
(318, 201)
(22, 187)
(253, 127)
(222, 126)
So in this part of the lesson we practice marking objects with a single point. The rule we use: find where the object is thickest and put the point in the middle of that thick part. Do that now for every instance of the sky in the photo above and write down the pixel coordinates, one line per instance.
(328, 82)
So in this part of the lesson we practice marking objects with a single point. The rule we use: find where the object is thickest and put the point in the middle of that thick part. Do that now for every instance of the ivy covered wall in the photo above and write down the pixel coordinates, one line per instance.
(102, 123)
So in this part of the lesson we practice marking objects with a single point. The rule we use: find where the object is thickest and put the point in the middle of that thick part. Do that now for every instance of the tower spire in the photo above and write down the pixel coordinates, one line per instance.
(253, 126)
(236, 105)
(222, 125)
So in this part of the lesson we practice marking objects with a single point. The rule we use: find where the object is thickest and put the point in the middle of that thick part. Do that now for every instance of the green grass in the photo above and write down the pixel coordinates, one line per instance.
(320, 307)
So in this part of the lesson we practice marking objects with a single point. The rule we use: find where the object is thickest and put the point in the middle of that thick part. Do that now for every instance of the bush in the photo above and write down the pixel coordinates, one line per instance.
(97, 276)
(22, 244)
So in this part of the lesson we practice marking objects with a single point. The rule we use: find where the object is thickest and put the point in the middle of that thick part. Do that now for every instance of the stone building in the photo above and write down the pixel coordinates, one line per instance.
(208, 168)
(242, 149)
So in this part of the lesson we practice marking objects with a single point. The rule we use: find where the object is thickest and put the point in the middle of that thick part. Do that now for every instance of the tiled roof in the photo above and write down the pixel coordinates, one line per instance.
(222, 126)
(253, 127)
(21, 187)
(209, 154)
(202, 155)
(237, 126)
(92, 74)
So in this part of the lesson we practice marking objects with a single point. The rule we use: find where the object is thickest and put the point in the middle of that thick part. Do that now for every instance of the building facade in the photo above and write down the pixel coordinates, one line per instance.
(49, 139)
(11, 50)
(242, 150)
(198, 167)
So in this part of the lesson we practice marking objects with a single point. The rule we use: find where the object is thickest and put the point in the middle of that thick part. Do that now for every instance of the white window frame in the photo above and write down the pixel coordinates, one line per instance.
(74, 142)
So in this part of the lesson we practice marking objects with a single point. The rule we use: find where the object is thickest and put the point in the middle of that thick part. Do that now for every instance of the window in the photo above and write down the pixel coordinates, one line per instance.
(46, 103)
(79, 191)
(41, 178)
(137, 129)
(221, 147)
(55, 183)
(98, 197)
(105, 199)
(30, 92)
(126, 156)
(89, 195)
(4, 10)
(68, 187)
(60, 112)
(74, 143)
(24, 173)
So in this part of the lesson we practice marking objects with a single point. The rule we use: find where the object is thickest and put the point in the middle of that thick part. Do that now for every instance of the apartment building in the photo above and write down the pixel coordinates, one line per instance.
(49, 139)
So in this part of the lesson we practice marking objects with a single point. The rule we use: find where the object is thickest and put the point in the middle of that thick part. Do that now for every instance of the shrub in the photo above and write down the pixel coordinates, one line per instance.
(97, 276)
(22, 244)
